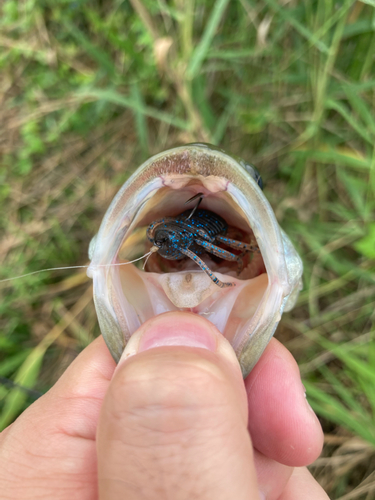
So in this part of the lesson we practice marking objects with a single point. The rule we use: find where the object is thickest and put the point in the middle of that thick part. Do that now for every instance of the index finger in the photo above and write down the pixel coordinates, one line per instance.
(281, 422)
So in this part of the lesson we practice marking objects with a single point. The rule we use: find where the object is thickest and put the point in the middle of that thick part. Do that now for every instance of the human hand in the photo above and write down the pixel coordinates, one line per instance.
(176, 421)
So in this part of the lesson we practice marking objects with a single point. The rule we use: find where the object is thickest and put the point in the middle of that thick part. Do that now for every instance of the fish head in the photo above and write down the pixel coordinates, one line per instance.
(126, 296)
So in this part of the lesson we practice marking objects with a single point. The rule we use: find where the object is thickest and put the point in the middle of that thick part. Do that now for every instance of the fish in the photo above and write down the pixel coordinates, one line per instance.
(246, 313)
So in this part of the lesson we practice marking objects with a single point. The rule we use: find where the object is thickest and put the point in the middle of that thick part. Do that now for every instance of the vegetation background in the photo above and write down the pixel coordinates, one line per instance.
(90, 89)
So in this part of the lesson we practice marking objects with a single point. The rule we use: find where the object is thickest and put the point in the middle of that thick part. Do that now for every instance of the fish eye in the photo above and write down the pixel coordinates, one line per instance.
(258, 178)
(254, 172)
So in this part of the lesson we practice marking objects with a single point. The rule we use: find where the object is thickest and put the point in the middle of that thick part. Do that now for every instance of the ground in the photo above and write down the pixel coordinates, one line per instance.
(90, 89)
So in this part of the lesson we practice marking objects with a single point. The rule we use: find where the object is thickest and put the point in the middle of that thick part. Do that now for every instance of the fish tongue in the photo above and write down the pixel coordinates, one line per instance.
(195, 290)
(187, 289)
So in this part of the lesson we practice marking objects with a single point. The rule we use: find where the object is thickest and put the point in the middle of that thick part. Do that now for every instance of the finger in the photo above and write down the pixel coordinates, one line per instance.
(174, 420)
(73, 403)
(282, 424)
(303, 485)
(49, 451)
(272, 476)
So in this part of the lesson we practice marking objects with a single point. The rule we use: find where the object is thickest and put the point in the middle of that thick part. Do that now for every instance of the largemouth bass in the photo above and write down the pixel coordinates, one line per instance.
(248, 308)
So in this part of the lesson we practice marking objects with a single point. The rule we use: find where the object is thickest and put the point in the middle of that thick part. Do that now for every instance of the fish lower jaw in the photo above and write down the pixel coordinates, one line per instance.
(146, 294)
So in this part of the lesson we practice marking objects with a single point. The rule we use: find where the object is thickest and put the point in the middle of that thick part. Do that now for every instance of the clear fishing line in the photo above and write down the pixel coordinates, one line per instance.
(147, 255)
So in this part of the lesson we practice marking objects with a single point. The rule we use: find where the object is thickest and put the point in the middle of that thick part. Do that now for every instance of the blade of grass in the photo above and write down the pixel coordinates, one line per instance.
(140, 120)
(98, 54)
(355, 188)
(9, 365)
(27, 376)
(328, 288)
(324, 73)
(360, 106)
(203, 46)
(336, 158)
(346, 395)
(290, 16)
(358, 127)
(334, 411)
(115, 97)
(370, 388)
(357, 365)
(222, 123)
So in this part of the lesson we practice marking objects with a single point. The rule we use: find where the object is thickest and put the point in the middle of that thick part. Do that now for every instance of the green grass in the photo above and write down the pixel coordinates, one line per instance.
(91, 89)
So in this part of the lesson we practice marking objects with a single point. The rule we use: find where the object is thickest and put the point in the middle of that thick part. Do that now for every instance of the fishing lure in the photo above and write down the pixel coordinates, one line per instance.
(193, 232)
(227, 259)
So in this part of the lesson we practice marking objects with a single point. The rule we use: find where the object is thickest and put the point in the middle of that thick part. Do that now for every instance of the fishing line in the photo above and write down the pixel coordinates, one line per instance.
(147, 255)
(13, 385)
(153, 250)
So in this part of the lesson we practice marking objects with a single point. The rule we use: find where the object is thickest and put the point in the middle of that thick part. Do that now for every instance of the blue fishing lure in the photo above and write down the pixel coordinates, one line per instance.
(191, 234)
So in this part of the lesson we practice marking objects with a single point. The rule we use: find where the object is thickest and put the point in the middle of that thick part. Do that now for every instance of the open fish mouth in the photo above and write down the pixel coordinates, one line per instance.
(247, 312)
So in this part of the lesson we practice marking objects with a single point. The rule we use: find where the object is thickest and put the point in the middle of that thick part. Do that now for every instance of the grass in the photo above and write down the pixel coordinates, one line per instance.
(91, 89)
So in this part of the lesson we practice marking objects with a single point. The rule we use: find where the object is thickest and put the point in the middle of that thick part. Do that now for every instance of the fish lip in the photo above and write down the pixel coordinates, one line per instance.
(172, 168)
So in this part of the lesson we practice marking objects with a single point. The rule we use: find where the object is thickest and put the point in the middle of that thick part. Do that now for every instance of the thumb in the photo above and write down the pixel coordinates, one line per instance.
(174, 420)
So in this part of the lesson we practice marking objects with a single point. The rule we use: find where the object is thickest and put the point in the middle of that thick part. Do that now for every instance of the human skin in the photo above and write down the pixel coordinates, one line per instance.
(173, 420)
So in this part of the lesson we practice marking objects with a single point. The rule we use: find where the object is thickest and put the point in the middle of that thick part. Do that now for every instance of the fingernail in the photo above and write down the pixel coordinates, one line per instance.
(179, 329)
(262, 496)
(185, 334)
